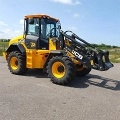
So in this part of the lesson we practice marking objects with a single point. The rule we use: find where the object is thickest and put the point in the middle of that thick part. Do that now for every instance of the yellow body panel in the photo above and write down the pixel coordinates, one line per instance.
(36, 58)
(52, 45)
(16, 40)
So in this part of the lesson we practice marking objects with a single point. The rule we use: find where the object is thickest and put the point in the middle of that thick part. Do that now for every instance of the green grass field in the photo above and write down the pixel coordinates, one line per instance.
(3, 46)
(4, 43)
(115, 55)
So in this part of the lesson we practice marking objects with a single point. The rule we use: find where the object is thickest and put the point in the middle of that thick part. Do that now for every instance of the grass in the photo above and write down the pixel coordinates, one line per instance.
(1, 52)
(4, 43)
(3, 46)
(115, 55)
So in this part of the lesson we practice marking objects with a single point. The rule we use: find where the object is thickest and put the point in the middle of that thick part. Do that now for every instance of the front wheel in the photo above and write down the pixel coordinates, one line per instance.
(16, 63)
(61, 70)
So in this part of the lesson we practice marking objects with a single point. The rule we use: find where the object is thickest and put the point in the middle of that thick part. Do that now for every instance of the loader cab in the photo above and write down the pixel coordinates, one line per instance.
(38, 31)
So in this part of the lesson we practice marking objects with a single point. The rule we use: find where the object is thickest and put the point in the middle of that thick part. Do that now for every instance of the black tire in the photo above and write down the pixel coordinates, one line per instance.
(17, 63)
(61, 70)
(83, 72)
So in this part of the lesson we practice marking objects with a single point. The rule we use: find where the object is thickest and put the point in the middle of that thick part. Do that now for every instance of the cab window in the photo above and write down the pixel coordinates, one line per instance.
(33, 28)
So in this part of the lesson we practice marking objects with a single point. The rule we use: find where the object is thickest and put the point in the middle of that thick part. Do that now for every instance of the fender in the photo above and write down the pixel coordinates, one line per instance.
(16, 47)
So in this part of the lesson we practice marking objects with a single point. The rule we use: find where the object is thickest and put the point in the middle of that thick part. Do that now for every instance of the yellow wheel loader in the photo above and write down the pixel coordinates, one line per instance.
(63, 55)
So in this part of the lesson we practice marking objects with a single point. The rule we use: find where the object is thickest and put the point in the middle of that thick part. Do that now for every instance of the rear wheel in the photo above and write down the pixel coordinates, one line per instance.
(61, 70)
(16, 63)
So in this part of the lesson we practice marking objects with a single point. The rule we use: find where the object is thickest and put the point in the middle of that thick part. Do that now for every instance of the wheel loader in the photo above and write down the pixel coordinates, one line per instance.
(62, 54)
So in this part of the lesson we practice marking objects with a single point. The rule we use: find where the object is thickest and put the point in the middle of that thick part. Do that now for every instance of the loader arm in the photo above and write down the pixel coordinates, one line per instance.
(90, 56)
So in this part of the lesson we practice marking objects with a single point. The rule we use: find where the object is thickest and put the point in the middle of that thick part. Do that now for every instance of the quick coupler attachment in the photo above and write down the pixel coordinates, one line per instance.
(103, 62)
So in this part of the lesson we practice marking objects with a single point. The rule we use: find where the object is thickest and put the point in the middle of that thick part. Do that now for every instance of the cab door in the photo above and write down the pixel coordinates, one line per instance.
(32, 33)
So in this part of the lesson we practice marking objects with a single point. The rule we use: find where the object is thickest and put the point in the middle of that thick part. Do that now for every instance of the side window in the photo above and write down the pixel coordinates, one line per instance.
(33, 28)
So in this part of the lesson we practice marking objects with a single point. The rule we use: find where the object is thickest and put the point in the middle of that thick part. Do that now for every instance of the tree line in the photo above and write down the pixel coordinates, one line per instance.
(4, 40)
(104, 46)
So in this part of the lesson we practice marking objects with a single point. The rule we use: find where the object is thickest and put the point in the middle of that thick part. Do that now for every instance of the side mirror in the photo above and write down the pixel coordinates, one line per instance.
(59, 25)
(31, 21)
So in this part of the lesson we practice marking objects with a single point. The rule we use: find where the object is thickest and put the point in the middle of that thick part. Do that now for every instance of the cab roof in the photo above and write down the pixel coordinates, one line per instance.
(40, 16)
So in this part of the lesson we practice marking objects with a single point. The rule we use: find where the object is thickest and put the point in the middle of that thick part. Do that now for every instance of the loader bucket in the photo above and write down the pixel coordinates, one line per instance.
(103, 62)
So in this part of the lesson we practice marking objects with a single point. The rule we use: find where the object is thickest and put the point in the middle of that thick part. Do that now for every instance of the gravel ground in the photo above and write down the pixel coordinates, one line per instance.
(34, 97)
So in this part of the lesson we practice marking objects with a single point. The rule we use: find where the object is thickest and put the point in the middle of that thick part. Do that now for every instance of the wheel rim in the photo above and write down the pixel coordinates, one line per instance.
(14, 63)
(58, 69)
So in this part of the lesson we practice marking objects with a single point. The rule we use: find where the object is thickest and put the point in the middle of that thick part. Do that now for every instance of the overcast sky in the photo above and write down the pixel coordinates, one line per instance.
(97, 21)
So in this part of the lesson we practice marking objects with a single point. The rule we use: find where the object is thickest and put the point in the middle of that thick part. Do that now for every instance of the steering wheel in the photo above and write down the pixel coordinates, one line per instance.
(52, 33)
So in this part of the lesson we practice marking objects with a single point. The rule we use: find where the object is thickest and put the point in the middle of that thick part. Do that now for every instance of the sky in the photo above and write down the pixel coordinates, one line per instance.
(96, 21)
